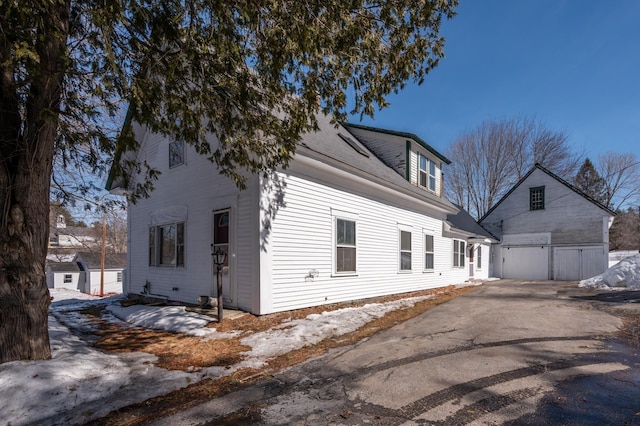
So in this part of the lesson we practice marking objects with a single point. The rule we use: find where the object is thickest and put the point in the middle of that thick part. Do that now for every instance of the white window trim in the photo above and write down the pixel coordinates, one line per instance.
(409, 229)
(158, 245)
(454, 256)
(343, 215)
(428, 174)
(426, 233)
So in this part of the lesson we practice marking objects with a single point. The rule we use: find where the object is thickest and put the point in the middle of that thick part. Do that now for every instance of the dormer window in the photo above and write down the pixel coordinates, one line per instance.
(426, 173)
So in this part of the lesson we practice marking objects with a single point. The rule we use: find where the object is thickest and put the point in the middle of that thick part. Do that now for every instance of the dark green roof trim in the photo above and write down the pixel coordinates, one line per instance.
(402, 135)
(556, 177)
(408, 161)
(119, 150)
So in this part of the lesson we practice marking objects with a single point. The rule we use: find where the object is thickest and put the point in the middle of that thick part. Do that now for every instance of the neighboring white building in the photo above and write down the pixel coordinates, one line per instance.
(90, 263)
(359, 213)
(548, 229)
(64, 275)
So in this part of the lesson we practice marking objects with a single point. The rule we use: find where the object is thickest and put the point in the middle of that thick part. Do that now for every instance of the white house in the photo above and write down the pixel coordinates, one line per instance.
(358, 213)
(64, 275)
(548, 229)
(90, 263)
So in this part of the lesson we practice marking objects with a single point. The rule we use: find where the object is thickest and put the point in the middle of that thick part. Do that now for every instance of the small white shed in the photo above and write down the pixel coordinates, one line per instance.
(90, 264)
(64, 275)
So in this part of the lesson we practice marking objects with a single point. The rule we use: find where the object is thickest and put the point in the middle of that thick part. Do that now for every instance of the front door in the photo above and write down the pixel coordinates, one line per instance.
(471, 260)
(222, 239)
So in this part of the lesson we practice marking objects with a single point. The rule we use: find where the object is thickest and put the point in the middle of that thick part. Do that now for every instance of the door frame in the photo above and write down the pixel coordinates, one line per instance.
(230, 300)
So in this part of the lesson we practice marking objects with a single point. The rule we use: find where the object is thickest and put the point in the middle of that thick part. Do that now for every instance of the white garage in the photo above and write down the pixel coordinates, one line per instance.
(525, 263)
(578, 263)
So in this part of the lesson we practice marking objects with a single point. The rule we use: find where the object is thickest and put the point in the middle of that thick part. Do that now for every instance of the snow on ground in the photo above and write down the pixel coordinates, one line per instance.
(168, 318)
(81, 383)
(623, 275)
(313, 329)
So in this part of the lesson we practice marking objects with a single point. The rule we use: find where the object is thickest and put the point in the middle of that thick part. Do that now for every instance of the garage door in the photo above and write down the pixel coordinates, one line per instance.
(525, 263)
(571, 264)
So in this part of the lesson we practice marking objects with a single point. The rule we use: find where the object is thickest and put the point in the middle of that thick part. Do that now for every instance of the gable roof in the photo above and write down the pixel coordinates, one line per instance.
(346, 152)
(537, 166)
(93, 260)
(463, 221)
(63, 266)
(327, 144)
(412, 136)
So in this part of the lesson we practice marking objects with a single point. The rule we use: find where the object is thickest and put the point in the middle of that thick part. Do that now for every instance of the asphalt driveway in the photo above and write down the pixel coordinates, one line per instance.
(508, 352)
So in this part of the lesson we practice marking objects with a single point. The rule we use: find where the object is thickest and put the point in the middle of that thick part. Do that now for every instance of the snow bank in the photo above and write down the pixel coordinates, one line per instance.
(625, 274)
(168, 318)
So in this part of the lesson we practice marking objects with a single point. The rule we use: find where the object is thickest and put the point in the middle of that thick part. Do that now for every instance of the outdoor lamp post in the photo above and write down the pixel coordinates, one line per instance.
(219, 256)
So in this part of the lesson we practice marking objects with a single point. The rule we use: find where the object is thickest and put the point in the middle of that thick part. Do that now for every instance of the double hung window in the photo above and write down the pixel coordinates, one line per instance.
(428, 252)
(405, 250)
(458, 253)
(345, 249)
(426, 173)
(166, 245)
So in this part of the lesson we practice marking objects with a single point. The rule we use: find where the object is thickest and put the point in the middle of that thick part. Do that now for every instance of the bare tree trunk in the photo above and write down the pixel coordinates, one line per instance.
(27, 141)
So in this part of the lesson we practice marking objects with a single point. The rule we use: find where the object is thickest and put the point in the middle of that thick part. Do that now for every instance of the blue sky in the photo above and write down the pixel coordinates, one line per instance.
(573, 64)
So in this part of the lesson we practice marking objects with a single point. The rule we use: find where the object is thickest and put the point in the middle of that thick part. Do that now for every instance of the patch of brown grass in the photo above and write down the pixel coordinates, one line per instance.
(176, 351)
(630, 330)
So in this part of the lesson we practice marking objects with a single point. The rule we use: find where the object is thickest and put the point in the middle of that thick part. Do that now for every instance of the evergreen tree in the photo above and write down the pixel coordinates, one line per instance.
(589, 181)
(250, 72)
(624, 233)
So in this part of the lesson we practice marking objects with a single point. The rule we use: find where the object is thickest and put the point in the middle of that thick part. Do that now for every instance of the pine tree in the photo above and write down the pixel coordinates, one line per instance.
(589, 181)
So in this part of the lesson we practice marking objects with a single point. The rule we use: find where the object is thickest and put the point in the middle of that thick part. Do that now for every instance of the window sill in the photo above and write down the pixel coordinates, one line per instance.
(428, 271)
(345, 274)
(408, 271)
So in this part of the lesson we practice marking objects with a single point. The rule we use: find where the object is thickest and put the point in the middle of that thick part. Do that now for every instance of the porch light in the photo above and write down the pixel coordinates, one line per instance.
(219, 256)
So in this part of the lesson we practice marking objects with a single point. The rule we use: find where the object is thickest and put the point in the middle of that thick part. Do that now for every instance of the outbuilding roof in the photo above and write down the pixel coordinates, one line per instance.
(93, 260)
(62, 267)
(537, 166)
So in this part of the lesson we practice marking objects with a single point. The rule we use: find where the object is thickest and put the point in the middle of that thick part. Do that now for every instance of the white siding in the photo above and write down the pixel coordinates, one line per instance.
(197, 188)
(111, 283)
(567, 220)
(300, 244)
(414, 167)
(56, 280)
(567, 216)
